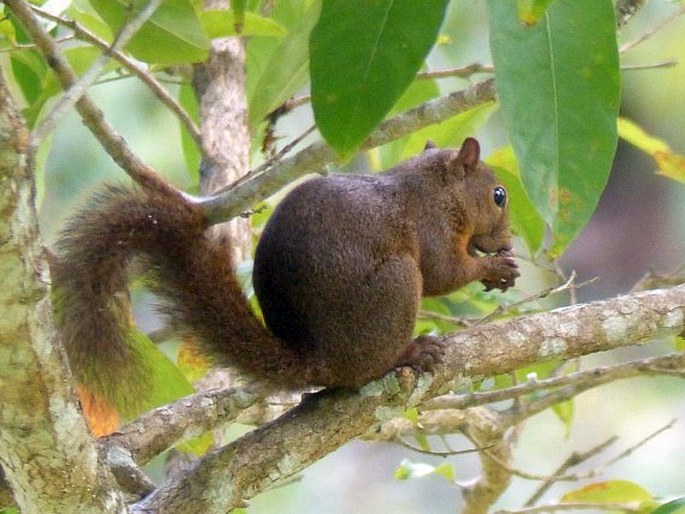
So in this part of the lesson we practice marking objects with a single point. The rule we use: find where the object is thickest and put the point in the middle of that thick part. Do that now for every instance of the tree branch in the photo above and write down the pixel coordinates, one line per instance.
(575, 383)
(163, 427)
(326, 420)
(92, 116)
(78, 87)
(314, 159)
(46, 451)
(133, 66)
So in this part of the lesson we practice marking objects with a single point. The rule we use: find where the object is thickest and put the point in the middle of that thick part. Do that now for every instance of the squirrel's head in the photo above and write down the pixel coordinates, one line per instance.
(485, 201)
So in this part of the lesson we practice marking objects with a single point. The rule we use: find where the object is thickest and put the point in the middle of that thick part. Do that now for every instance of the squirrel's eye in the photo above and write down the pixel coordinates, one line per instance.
(499, 194)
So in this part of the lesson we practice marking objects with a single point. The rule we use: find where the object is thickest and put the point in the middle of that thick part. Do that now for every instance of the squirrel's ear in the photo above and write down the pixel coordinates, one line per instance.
(430, 145)
(469, 154)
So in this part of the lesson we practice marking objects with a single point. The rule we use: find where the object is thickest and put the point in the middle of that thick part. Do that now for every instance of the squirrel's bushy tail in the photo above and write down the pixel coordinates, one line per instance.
(192, 272)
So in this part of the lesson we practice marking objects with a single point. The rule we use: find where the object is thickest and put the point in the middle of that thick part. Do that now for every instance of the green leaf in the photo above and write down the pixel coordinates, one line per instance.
(672, 507)
(83, 13)
(286, 70)
(564, 412)
(29, 71)
(198, 446)
(559, 86)
(530, 11)
(670, 164)
(409, 469)
(679, 343)
(412, 414)
(80, 59)
(8, 36)
(173, 35)
(222, 23)
(525, 220)
(239, 7)
(364, 55)
(445, 470)
(612, 491)
(191, 153)
(167, 383)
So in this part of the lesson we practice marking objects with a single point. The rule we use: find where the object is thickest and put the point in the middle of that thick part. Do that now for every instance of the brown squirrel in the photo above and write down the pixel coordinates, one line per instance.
(339, 272)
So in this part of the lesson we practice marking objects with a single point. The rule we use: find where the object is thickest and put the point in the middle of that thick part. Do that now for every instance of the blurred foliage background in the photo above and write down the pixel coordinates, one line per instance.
(639, 226)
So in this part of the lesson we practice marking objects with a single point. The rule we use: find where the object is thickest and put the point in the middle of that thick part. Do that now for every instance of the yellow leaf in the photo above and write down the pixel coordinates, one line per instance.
(669, 164)
(611, 491)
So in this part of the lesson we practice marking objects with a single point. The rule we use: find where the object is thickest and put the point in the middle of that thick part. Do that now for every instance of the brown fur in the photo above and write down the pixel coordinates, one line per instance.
(339, 273)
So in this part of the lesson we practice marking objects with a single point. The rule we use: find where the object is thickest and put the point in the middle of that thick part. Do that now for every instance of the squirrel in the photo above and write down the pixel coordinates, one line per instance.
(339, 272)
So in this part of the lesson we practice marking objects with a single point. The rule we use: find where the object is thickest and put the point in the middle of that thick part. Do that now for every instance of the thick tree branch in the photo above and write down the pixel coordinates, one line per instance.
(46, 452)
(161, 428)
(326, 420)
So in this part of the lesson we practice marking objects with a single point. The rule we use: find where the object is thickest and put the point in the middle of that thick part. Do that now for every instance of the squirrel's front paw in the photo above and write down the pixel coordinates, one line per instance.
(502, 271)
(423, 353)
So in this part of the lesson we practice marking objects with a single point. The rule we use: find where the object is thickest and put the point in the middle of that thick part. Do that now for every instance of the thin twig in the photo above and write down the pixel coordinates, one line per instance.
(585, 379)
(575, 459)
(629, 451)
(652, 30)
(92, 116)
(30, 46)
(652, 66)
(462, 71)
(135, 68)
(79, 87)
(276, 158)
(232, 200)
(502, 308)
(599, 506)
(454, 320)
(558, 270)
(440, 453)
(571, 461)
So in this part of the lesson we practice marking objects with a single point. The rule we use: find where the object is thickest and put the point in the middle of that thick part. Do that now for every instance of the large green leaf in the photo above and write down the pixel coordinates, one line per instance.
(222, 23)
(28, 65)
(559, 86)
(286, 69)
(525, 220)
(363, 56)
(29, 71)
(172, 35)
